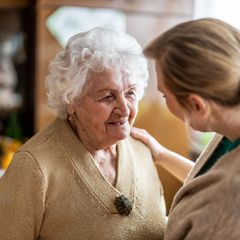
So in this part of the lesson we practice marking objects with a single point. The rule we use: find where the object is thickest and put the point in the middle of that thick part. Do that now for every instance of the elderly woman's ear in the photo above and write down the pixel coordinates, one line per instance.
(70, 109)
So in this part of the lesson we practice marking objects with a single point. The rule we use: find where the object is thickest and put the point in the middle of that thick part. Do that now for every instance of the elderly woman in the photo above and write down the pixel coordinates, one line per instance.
(83, 177)
(198, 71)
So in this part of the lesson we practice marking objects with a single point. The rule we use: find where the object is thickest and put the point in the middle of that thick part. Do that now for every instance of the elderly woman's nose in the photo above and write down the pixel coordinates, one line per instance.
(122, 107)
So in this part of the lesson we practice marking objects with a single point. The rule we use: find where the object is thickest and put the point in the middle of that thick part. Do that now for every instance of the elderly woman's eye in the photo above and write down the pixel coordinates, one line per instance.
(108, 98)
(131, 93)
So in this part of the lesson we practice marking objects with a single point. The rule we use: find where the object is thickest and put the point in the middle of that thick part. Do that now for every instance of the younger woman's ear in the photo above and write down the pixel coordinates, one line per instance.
(70, 109)
(198, 104)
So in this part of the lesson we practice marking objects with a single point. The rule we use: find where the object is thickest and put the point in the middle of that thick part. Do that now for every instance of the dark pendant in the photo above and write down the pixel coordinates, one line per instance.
(123, 204)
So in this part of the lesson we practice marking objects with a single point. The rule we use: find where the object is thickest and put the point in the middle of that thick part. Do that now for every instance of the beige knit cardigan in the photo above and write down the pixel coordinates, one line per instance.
(53, 190)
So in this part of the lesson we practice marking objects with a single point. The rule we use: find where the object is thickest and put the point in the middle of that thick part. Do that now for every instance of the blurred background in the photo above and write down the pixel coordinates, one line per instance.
(33, 31)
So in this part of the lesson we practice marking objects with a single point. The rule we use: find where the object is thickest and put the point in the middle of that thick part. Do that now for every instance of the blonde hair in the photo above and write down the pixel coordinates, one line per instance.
(96, 50)
(200, 56)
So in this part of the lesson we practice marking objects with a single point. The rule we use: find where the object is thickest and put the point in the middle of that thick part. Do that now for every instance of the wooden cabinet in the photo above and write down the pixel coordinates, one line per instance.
(176, 7)
(17, 75)
(14, 4)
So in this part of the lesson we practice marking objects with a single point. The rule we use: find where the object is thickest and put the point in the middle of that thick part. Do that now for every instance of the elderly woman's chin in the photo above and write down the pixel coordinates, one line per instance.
(119, 131)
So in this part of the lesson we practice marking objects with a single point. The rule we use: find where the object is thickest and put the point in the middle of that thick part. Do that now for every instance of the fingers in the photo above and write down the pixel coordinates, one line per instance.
(138, 132)
(142, 135)
(154, 146)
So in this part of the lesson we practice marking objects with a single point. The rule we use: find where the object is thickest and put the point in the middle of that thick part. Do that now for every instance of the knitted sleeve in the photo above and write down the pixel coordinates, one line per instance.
(21, 199)
(207, 208)
(228, 223)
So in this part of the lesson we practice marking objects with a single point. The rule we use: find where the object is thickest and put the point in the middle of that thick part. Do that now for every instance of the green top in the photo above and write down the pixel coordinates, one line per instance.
(223, 147)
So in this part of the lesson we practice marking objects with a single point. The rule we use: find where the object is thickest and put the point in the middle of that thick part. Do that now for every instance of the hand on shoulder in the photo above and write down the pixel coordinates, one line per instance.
(176, 164)
(155, 147)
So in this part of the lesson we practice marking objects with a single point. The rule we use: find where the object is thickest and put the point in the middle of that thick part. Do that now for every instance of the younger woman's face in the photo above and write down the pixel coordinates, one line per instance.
(172, 103)
(196, 119)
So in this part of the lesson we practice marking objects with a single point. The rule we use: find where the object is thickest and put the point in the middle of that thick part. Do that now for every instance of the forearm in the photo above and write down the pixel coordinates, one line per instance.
(174, 163)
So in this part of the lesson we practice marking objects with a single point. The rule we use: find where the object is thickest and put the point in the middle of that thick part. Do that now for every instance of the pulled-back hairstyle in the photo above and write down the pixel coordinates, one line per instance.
(96, 50)
(200, 56)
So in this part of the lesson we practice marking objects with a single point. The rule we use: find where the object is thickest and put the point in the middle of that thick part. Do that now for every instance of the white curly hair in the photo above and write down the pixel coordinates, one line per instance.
(96, 50)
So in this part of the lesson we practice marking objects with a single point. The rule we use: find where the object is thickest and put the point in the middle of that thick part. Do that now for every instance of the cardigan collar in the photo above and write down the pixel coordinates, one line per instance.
(88, 170)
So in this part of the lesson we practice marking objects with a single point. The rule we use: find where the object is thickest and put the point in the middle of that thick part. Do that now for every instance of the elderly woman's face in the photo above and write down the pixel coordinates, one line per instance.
(107, 109)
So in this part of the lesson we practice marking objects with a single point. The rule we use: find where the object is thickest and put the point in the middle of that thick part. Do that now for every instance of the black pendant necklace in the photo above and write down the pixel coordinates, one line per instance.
(124, 205)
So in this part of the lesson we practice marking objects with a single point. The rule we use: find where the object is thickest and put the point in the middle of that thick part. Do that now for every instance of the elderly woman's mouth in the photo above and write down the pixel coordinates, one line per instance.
(117, 123)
